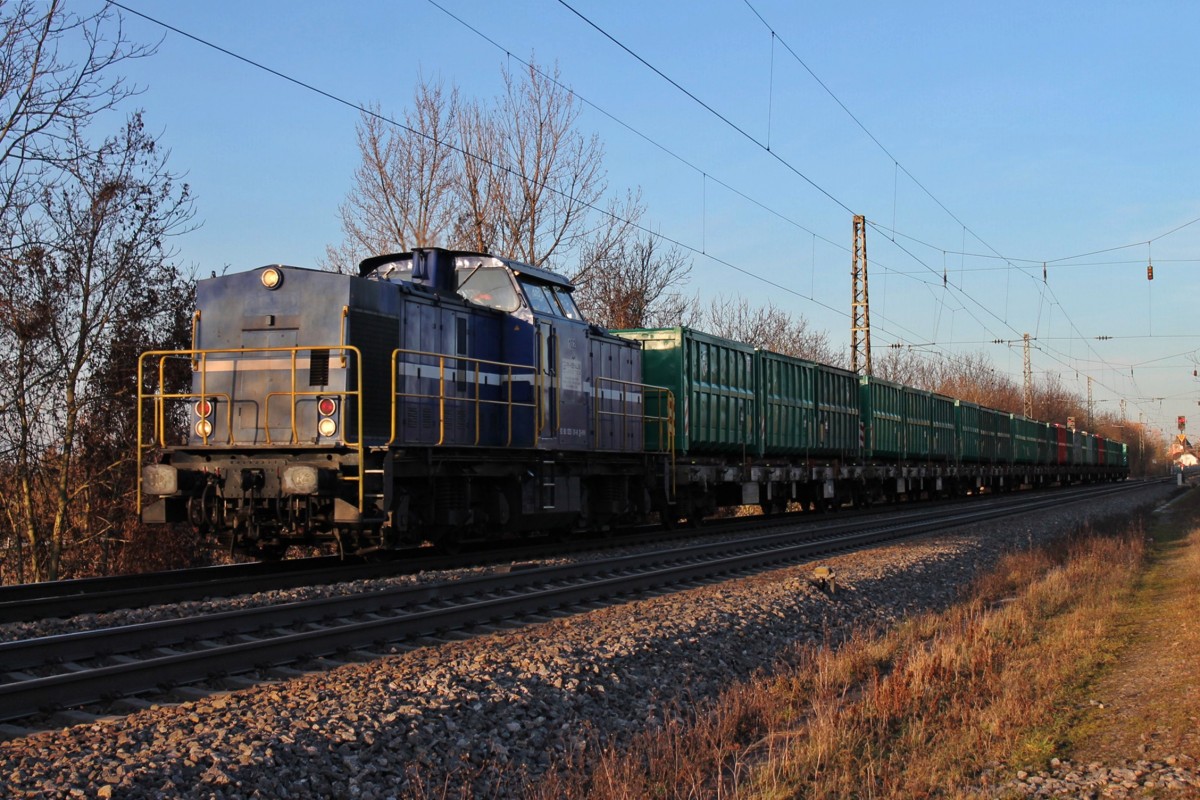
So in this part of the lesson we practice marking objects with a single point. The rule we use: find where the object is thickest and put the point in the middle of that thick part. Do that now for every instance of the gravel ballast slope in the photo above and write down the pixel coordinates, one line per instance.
(488, 710)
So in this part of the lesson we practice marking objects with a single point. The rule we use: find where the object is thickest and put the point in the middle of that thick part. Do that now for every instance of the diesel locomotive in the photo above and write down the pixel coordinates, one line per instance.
(443, 396)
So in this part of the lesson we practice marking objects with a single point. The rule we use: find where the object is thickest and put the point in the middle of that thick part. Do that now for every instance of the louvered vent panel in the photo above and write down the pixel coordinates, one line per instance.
(375, 336)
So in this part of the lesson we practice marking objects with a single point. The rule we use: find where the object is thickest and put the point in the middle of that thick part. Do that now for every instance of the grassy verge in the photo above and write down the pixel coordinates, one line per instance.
(918, 711)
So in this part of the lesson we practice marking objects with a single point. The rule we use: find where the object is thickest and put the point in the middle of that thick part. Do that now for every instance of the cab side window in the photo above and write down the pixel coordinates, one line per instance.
(540, 298)
(569, 309)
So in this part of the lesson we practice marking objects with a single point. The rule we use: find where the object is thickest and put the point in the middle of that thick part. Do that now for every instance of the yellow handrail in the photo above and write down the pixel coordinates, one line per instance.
(628, 391)
(664, 422)
(199, 359)
(353, 399)
(505, 368)
(195, 332)
(342, 343)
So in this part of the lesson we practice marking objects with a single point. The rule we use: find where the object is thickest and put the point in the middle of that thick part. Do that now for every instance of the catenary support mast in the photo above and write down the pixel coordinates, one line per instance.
(860, 317)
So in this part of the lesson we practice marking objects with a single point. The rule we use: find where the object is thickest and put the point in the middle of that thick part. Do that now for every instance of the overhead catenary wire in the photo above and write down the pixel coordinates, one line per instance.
(738, 129)
(466, 153)
(699, 251)
(741, 131)
(775, 35)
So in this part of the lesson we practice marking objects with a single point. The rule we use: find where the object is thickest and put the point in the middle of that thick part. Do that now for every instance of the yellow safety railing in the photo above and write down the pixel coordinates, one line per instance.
(632, 408)
(474, 373)
(200, 361)
(342, 343)
(195, 332)
(554, 369)
(632, 401)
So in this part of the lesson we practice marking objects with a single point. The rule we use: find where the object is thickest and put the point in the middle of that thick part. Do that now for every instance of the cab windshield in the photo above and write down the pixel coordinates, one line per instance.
(488, 286)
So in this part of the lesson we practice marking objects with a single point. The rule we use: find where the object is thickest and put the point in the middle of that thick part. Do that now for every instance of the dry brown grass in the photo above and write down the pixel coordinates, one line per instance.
(915, 712)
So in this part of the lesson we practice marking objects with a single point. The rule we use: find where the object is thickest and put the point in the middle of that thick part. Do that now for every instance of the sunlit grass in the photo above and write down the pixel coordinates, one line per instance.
(920, 710)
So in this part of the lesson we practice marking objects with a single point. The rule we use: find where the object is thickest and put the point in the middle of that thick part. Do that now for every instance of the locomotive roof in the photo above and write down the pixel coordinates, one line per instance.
(469, 258)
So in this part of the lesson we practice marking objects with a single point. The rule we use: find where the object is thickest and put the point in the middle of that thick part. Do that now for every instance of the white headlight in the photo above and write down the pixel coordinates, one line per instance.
(272, 278)
(203, 428)
(327, 426)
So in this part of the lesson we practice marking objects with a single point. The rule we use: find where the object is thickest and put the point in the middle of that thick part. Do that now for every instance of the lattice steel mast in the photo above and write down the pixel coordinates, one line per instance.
(1028, 382)
(860, 316)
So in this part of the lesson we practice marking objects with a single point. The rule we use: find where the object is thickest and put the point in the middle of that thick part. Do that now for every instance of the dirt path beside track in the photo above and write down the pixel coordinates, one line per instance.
(1148, 705)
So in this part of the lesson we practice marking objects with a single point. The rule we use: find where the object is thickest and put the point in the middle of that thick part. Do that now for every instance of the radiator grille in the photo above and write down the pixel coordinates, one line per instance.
(318, 368)
(376, 336)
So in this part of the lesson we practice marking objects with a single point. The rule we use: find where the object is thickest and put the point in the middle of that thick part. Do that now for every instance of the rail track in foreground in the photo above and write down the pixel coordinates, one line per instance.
(67, 598)
(64, 599)
(45, 681)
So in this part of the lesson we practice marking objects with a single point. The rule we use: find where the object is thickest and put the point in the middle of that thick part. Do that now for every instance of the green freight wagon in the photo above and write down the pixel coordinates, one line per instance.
(1114, 455)
(1028, 440)
(918, 434)
(970, 442)
(1048, 454)
(883, 418)
(1075, 447)
(942, 428)
(995, 436)
(786, 396)
(839, 431)
(1004, 437)
(714, 386)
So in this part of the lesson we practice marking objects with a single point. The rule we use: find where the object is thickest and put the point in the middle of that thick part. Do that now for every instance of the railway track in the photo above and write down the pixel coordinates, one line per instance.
(65, 599)
(69, 671)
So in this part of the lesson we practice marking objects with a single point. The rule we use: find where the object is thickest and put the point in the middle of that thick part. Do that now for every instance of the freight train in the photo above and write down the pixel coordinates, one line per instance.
(442, 396)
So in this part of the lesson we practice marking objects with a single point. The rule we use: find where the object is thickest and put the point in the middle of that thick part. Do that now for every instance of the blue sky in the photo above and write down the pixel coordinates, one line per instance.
(1004, 135)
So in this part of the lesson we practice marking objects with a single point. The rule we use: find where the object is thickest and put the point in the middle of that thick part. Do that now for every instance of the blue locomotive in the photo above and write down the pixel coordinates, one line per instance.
(437, 396)
(441, 396)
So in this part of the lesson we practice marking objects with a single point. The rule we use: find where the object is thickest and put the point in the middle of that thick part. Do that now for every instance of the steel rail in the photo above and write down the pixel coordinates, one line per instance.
(410, 615)
(63, 599)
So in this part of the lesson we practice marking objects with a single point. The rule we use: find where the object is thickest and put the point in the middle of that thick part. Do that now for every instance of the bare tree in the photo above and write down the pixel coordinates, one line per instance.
(480, 183)
(633, 283)
(610, 233)
(530, 177)
(57, 73)
(94, 268)
(907, 366)
(768, 327)
(405, 188)
(45, 94)
(973, 377)
(1053, 402)
(524, 184)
